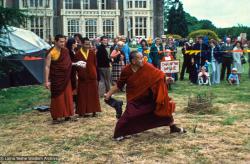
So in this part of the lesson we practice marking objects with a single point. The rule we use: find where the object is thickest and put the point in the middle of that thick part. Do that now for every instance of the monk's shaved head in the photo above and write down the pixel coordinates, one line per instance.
(136, 58)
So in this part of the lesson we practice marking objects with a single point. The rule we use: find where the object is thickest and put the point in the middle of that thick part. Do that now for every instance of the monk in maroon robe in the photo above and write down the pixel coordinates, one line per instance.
(57, 79)
(148, 103)
(87, 90)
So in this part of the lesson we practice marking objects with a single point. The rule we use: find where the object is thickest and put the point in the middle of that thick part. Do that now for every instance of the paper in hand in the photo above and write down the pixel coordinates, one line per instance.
(81, 64)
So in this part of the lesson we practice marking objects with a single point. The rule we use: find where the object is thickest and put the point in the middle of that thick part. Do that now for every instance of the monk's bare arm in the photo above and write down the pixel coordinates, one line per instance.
(113, 90)
(46, 71)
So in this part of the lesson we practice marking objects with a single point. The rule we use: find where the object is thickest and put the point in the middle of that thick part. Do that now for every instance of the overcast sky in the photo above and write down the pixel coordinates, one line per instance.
(223, 13)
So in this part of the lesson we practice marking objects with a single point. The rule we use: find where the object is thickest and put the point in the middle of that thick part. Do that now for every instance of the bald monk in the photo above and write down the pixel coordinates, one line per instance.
(148, 104)
(87, 90)
(57, 79)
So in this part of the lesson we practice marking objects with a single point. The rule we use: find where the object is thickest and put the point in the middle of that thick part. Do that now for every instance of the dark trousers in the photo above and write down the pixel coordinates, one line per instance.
(105, 77)
(115, 104)
(183, 69)
(193, 74)
(226, 64)
(75, 101)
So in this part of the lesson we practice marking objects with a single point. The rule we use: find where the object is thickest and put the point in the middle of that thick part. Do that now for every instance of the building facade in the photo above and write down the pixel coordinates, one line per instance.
(138, 18)
(92, 18)
(41, 16)
(41, 20)
(3, 3)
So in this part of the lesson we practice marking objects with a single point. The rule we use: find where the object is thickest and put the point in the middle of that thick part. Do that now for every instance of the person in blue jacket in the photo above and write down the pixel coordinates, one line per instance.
(215, 58)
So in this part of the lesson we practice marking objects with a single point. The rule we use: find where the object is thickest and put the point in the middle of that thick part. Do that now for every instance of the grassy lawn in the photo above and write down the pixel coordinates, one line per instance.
(219, 137)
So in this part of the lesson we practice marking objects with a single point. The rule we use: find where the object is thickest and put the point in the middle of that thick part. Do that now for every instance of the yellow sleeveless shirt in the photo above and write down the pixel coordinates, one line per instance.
(55, 54)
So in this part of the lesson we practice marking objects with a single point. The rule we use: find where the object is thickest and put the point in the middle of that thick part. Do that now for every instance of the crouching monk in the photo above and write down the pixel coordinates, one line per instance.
(57, 79)
(148, 104)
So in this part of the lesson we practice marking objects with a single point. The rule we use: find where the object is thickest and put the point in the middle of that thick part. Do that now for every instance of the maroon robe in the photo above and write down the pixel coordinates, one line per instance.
(87, 90)
(148, 104)
(61, 92)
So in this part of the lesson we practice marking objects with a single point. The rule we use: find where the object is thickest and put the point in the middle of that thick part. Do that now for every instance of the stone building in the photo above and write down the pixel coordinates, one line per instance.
(92, 18)
(41, 15)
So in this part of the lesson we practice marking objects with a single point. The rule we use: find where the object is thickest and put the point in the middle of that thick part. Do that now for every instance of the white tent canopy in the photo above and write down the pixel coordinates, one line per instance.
(24, 40)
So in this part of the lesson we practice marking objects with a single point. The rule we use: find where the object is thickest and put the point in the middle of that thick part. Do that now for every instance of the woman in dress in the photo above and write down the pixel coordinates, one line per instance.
(237, 53)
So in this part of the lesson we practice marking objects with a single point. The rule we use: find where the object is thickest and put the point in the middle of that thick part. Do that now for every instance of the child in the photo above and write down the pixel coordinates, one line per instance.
(207, 65)
(203, 77)
(233, 77)
(170, 79)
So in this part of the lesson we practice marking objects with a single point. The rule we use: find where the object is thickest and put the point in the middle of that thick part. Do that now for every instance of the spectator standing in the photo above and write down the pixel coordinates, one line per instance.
(237, 58)
(215, 59)
(227, 58)
(103, 64)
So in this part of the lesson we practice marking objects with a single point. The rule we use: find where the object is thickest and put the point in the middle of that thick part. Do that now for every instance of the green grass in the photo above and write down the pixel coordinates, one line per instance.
(163, 151)
(224, 93)
(219, 137)
(230, 120)
(22, 99)
(18, 100)
(247, 144)
(86, 139)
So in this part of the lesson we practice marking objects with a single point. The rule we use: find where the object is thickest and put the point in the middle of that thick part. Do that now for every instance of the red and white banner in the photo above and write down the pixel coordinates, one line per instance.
(170, 66)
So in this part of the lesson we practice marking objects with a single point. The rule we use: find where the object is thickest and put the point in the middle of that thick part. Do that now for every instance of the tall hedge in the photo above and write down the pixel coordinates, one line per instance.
(211, 34)
(175, 36)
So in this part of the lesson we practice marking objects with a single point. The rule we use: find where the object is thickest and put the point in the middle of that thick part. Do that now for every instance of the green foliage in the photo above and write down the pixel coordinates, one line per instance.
(209, 33)
(10, 17)
(207, 24)
(167, 5)
(195, 24)
(191, 22)
(233, 31)
(177, 23)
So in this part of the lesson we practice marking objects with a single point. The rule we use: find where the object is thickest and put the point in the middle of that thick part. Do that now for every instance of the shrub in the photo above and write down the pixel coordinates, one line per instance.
(175, 36)
(201, 103)
(209, 33)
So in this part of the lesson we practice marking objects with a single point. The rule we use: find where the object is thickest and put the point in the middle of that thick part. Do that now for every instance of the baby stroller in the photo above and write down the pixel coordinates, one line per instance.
(204, 74)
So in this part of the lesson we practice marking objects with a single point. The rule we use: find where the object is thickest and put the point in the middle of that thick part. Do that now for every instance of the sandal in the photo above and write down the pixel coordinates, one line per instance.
(94, 115)
(119, 138)
(175, 129)
(72, 119)
(56, 121)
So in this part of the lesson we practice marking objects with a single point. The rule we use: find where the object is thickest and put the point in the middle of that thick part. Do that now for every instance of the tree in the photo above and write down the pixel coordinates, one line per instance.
(158, 17)
(210, 34)
(195, 24)
(233, 31)
(192, 22)
(171, 22)
(167, 5)
(9, 17)
(207, 24)
(177, 23)
(181, 22)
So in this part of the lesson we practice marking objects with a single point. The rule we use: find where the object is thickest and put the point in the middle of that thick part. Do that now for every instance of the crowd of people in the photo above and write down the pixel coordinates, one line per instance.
(215, 58)
(76, 69)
